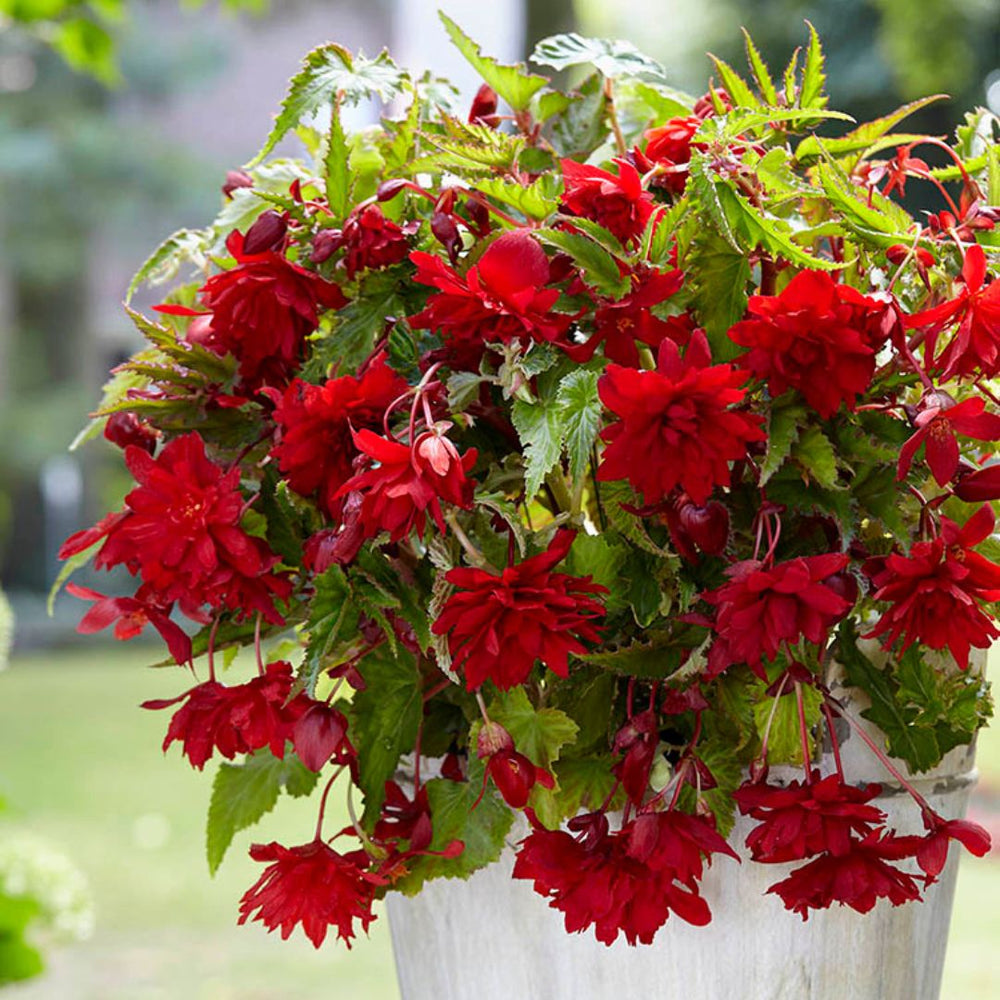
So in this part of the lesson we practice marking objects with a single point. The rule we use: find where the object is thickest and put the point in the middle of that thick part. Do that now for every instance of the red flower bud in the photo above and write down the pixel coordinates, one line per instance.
(446, 233)
(492, 739)
(267, 233)
(236, 179)
(125, 428)
(388, 190)
(484, 106)
(325, 244)
(319, 734)
(707, 526)
(980, 486)
(844, 585)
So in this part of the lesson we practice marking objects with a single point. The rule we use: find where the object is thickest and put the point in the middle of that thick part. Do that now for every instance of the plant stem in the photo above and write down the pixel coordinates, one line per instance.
(612, 113)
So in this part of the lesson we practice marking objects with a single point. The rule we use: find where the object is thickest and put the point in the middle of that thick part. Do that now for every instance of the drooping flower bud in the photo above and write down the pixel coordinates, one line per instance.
(267, 233)
(236, 179)
(319, 734)
(125, 428)
(707, 526)
(484, 106)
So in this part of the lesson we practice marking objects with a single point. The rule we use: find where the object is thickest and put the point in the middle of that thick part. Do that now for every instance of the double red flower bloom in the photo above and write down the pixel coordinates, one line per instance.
(617, 202)
(316, 451)
(262, 311)
(763, 606)
(936, 591)
(627, 881)
(500, 625)
(817, 337)
(499, 298)
(180, 530)
(675, 425)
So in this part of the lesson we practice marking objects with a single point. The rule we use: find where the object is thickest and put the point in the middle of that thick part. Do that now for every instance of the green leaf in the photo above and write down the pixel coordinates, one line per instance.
(598, 557)
(663, 102)
(598, 267)
(784, 746)
(760, 71)
(719, 282)
(540, 429)
(330, 73)
(333, 616)
(18, 959)
(537, 200)
(163, 263)
(758, 229)
(538, 733)
(386, 717)
(739, 93)
(243, 793)
(880, 222)
(584, 125)
(337, 168)
(782, 433)
(814, 452)
(512, 83)
(611, 57)
(584, 783)
(482, 829)
(862, 137)
(813, 74)
(580, 415)
(87, 47)
(658, 654)
(728, 774)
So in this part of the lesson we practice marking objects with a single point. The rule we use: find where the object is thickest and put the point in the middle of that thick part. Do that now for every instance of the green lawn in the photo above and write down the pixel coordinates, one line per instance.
(82, 764)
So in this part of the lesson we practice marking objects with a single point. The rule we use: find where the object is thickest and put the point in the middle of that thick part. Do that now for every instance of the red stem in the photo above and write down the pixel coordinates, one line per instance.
(804, 733)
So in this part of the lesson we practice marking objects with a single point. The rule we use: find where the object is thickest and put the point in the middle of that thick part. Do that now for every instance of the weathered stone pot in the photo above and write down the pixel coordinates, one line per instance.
(493, 938)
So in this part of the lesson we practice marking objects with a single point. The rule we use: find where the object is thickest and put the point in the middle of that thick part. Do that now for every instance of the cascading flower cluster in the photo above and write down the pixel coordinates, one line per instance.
(557, 461)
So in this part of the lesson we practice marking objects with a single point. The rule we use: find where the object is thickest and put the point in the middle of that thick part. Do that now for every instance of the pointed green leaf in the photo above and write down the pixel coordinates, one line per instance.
(512, 83)
(581, 417)
(537, 200)
(814, 452)
(782, 433)
(538, 733)
(599, 268)
(584, 783)
(185, 245)
(333, 616)
(739, 93)
(337, 172)
(760, 71)
(329, 72)
(813, 74)
(720, 278)
(539, 426)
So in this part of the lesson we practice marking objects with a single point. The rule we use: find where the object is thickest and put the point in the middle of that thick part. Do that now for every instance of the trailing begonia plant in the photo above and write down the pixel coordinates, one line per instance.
(554, 457)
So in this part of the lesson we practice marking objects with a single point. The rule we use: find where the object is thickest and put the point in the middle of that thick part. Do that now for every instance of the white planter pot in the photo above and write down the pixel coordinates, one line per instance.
(493, 938)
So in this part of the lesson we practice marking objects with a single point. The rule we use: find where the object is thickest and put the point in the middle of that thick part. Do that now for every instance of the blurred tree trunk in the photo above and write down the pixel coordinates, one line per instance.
(546, 17)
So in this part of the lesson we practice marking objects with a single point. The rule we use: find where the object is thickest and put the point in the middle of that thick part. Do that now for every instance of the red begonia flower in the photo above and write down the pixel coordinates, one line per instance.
(130, 616)
(974, 348)
(370, 241)
(499, 298)
(407, 481)
(818, 337)
(763, 606)
(936, 591)
(516, 776)
(263, 309)
(498, 626)
(932, 852)
(235, 719)
(670, 145)
(937, 426)
(180, 530)
(625, 882)
(620, 324)
(403, 818)
(801, 819)
(983, 484)
(312, 885)
(615, 201)
(675, 426)
(858, 878)
(637, 740)
(315, 451)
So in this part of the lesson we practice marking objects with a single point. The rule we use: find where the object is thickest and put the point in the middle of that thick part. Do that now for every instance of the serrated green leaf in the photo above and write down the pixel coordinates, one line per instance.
(483, 830)
(540, 429)
(728, 773)
(386, 717)
(611, 57)
(583, 127)
(514, 84)
(782, 433)
(598, 267)
(598, 557)
(336, 166)
(333, 616)
(330, 72)
(814, 452)
(760, 71)
(720, 277)
(580, 414)
(537, 200)
(862, 137)
(584, 783)
(739, 93)
(243, 793)
(877, 222)
(813, 74)
(663, 102)
(538, 733)
(773, 234)
(163, 263)
(657, 655)
(784, 745)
